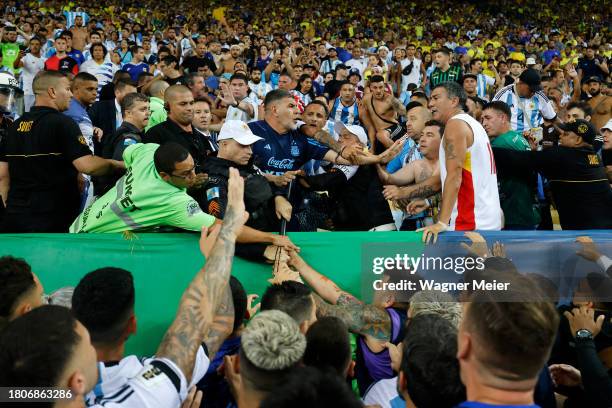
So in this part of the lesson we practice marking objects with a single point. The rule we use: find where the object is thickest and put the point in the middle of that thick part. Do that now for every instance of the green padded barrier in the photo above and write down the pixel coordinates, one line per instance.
(163, 265)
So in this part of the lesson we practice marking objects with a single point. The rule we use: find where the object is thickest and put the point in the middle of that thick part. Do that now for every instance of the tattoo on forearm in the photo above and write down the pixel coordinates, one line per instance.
(367, 320)
(421, 192)
(222, 325)
(325, 138)
(346, 299)
(201, 301)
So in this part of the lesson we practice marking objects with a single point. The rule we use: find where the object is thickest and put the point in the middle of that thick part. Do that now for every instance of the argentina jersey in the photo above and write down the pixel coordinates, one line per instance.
(143, 383)
(527, 113)
(279, 153)
(349, 115)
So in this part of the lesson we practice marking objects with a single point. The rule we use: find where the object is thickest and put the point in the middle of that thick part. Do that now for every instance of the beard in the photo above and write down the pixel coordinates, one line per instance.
(595, 93)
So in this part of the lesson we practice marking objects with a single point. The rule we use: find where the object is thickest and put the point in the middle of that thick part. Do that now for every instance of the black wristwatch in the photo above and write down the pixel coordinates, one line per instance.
(583, 335)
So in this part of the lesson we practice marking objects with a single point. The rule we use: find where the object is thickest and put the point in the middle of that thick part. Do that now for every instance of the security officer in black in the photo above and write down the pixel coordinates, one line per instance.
(177, 127)
(578, 181)
(265, 203)
(40, 157)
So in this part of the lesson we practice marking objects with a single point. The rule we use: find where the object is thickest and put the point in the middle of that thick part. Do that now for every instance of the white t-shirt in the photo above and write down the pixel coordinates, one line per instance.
(415, 75)
(359, 63)
(31, 66)
(381, 393)
(477, 206)
(144, 383)
(239, 114)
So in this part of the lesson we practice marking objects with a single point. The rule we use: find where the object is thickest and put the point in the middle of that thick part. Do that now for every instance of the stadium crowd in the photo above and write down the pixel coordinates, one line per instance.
(241, 120)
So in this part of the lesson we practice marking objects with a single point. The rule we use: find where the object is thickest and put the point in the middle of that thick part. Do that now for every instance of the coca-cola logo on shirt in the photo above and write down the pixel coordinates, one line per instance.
(284, 164)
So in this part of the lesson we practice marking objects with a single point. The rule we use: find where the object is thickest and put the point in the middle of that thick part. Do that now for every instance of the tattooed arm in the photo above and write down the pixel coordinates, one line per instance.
(424, 189)
(366, 320)
(455, 148)
(204, 295)
(322, 285)
(398, 106)
(222, 325)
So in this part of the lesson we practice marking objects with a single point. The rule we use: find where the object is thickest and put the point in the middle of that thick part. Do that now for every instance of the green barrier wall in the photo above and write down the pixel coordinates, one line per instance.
(163, 265)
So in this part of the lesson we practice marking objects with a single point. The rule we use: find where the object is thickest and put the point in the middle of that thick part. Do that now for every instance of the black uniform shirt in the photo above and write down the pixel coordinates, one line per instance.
(169, 131)
(577, 178)
(40, 148)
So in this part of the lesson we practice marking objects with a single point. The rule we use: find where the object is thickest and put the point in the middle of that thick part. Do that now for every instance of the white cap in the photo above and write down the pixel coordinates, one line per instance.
(607, 126)
(239, 131)
(354, 129)
(530, 61)
(383, 47)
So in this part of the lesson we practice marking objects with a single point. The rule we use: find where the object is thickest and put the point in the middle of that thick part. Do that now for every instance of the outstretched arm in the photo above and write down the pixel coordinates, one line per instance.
(331, 300)
(325, 287)
(204, 295)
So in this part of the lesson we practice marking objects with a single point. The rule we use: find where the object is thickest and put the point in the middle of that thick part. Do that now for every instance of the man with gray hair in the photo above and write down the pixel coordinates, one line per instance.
(467, 175)
(271, 348)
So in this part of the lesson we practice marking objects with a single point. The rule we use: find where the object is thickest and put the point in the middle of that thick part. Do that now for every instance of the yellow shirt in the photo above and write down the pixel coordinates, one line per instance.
(517, 56)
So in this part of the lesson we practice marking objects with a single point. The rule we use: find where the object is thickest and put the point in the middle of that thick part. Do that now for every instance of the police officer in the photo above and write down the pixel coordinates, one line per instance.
(40, 158)
(10, 97)
(577, 177)
(265, 202)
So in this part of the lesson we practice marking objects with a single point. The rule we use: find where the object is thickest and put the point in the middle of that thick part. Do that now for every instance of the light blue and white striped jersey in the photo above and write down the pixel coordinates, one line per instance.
(329, 66)
(349, 115)
(527, 113)
(482, 83)
(71, 15)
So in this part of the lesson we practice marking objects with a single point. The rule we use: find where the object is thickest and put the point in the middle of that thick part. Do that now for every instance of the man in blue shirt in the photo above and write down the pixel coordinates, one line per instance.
(504, 343)
(284, 149)
(84, 93)
(137, 65)
(550, 53)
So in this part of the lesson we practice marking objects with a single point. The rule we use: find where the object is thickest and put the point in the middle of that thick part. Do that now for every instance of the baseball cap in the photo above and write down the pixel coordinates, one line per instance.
(239, 131)
(530, 61)
(607, 126)
(308, 66)
(354, 71)
(332, 49)
(470, 75)
(354, 129)
(593, 78)
(584, 129)
(532, 78)
(383, 47)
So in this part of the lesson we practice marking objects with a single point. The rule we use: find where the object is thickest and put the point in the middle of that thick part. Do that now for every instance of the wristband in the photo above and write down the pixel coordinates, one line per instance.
(443, 225)
(340, 153)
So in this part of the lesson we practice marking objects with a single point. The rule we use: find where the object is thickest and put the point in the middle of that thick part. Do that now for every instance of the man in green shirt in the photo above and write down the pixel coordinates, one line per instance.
(153, 193)
(518, 200)
(9, 49)
(158, 111)
(444, 72)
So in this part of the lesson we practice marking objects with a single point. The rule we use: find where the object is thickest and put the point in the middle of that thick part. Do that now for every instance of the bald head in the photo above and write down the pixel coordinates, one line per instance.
(158, 89)
(175, 92)
(417, 117)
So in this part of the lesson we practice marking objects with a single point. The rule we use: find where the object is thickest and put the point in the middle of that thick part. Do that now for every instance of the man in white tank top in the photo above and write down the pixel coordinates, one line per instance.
(467, 175)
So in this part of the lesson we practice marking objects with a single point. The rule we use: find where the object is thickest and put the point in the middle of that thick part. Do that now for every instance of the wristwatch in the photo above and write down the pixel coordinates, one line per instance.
(584, 334)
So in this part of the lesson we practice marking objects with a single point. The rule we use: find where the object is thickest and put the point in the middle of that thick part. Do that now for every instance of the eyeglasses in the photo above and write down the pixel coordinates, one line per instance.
(186, 174)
